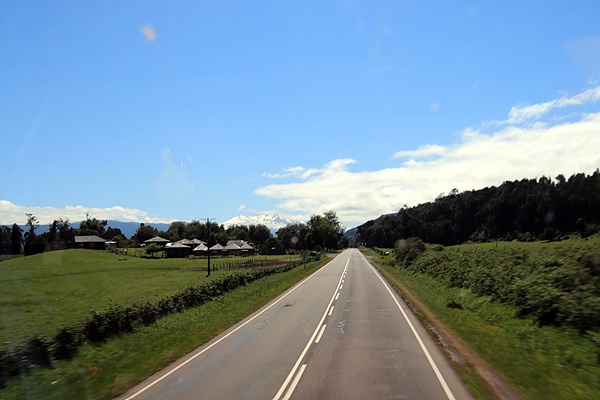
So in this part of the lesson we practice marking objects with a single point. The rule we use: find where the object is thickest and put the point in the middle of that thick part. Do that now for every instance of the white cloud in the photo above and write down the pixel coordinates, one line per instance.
(11, 213)
(520, 114)
(478, 159)
(430, 150)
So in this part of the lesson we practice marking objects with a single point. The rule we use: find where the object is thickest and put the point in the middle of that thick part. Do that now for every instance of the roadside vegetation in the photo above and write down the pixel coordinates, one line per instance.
(62, 306)
(530, 310)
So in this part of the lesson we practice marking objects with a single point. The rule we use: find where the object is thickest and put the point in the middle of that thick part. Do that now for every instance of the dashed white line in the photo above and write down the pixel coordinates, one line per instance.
(292, 374)
(318, 339)
(330, 311)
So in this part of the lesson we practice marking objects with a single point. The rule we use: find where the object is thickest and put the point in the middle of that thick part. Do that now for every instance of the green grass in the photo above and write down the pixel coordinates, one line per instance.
(43, 292)
(539, 362)
(106, 370)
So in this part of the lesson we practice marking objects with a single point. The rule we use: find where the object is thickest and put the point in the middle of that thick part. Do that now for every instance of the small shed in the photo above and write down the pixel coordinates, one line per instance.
(200, 250)
(90, 242)
(177, 250)
(232, 249)
(217, 249)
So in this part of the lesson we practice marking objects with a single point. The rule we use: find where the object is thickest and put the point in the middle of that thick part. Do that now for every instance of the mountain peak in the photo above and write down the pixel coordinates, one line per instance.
(271, 221)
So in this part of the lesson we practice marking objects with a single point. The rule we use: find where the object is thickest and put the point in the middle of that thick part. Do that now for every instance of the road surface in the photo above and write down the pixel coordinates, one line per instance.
(340, 334)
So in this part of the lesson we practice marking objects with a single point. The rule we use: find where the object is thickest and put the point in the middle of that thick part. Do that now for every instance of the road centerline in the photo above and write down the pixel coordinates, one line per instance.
(308, 345)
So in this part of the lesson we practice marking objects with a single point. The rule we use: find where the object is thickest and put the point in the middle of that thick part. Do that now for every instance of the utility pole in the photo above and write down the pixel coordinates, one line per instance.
(208, 244)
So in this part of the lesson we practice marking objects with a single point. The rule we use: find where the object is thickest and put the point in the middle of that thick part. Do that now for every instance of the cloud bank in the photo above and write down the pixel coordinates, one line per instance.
(12, 213)
(520, 147)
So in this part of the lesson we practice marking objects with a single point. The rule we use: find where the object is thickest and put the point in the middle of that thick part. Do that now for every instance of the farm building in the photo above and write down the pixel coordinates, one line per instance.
(90, 242)
(177, 250)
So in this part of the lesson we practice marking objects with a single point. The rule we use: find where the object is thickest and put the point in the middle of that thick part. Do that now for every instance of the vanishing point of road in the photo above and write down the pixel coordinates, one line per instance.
(342, 333)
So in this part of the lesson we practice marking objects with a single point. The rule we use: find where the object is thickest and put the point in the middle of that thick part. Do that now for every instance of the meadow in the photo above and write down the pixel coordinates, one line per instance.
(43, 292)
(104, 369)
(526, 309)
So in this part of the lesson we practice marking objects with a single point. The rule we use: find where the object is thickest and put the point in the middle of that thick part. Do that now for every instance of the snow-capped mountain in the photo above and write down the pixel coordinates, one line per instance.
(273, 222)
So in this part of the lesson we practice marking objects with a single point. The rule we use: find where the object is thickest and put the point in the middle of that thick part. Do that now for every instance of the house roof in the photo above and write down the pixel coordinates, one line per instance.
(231, 246)
(201, 247)
(177, 246)
(217, 247)
(89, 239)
(186, 242)
(157, 239)
(242, 244)
(198, 241)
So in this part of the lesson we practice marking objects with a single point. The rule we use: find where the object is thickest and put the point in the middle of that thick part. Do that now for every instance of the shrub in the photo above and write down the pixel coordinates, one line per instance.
(408, 250)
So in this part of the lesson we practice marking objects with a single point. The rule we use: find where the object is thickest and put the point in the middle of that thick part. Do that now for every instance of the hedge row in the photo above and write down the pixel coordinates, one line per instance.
(555, 286)
(40, 352)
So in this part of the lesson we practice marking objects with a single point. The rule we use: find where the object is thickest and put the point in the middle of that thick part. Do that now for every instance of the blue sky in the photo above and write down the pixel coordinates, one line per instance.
(157, 111)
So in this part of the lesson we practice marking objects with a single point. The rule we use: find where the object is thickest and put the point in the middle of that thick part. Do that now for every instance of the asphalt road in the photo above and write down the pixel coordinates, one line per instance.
(340, 334)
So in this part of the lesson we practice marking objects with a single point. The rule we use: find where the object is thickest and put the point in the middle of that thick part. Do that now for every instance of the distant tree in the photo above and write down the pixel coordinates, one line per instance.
(153, 248)
(16, 239)
(92, 226)
(175, 231)
(66, 234)
(121, 240)
(32, 244)
(4, 240)
(143, 233)
(321, 234)
(196, 229)
(259, 234)
(272, 246)
(110, 233)
(238, 232)
(293, 236)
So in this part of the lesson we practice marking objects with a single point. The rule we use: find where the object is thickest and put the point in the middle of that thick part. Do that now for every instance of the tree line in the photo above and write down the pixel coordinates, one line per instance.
(321, 232)
(525, 210)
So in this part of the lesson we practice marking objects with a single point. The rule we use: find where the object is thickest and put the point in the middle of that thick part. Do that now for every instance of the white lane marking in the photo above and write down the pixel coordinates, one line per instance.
(337, 296)
(292, 387)
(318, 339)
(341, 286)
(310, 342)
(148, 386)
(437, 372)
(330, 311)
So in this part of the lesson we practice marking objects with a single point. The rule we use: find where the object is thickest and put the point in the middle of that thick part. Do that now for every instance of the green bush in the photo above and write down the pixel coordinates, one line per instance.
(556, 285)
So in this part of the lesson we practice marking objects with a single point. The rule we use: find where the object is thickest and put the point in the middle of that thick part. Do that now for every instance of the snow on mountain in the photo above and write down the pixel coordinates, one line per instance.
(273, 222)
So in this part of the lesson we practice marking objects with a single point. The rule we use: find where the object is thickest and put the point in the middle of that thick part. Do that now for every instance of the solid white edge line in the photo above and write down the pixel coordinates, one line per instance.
(320, 335)
(292, 387)
(310, 342)
(437, 372)
(157, 380)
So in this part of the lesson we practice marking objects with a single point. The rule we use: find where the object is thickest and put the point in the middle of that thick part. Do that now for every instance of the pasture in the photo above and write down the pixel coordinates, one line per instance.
(43, 292)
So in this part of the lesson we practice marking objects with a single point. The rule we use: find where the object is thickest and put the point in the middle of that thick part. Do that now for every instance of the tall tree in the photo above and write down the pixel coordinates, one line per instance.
(33, 244)
(4, 240)
(16, 239)
(293, 236)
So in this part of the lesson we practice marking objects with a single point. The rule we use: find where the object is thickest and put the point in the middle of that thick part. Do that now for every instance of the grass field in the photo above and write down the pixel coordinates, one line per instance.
(106, 370)
(539, 362)
(43, 292)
